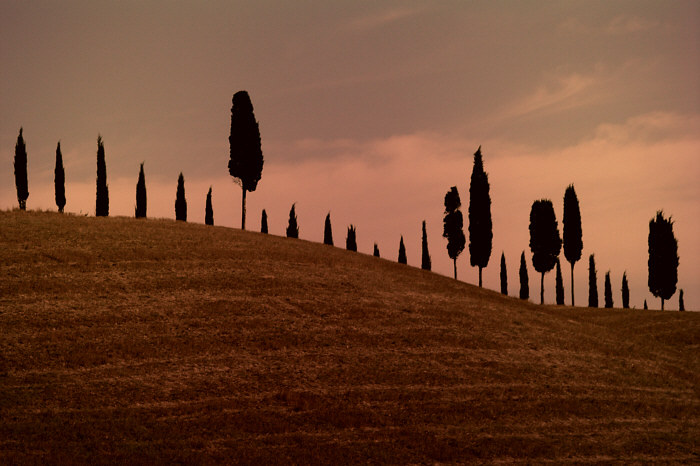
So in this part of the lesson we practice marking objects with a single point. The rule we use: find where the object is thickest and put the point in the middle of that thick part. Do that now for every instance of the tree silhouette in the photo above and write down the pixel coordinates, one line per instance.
(140, 210)
(681, 304)
(180, 201)
(559, 285)
(102, 196)
(504, 275)
(263, 222)
(480, 228)
(376, 250)
(292, 226)
(663, 258)
(208, 210)
(328, 231)
(625, 292)
(573, 236)
(21, 181)
(246, 158)
(524, 281)
(545, 242)
(402, 252)
(608, 291)
(351, 239)
(453, 226)
(645, 305)
(592, 283)
(426, 263)
(59, 180)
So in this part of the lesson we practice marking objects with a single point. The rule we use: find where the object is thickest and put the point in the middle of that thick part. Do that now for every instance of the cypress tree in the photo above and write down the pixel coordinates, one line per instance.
(328, 231)
(351, 240)
(573, 236)
(453, 226)
(625, 292)
(608, 291)
(21, 181)
(545, 242)
(376, 250)
(263, 222)
(246, 159)
(180, 201)
(681, 304)
(480, 228)
(663, 258)
(208, 210)
(592, 283)
(402, 252)
(102, 196)
(59, 180)
(524, 281)
(559, 285)
(645, 305)
(426, 263)
(504, 275)
(140, 211)
(292, 226)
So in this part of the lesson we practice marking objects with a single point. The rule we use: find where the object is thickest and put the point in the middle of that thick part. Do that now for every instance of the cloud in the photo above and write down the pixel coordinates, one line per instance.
(625, 24)
(382, 18)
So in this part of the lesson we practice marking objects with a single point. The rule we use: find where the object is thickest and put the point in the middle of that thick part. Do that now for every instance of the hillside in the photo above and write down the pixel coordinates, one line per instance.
(149, 340)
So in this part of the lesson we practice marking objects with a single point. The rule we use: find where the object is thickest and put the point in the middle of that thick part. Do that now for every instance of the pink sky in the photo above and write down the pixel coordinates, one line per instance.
(372, 111)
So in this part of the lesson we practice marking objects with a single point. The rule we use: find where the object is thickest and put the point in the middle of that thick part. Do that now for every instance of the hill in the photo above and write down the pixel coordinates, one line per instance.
(144, 341)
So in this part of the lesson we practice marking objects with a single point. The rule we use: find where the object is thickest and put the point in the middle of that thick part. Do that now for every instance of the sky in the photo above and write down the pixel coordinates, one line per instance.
(372, 110)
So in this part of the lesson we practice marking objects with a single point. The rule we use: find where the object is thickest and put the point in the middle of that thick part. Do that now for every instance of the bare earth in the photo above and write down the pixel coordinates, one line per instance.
(142, 341)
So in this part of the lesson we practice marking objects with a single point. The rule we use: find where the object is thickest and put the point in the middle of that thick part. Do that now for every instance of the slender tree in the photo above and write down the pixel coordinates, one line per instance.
(263, 222)
(592, 283)
(140, 210)
(681, 304)
(545, 242)
(292, 226)
(208, 210)
(402, 252)
(608, 291)
(524, 281)
(180, 201)
(625, 292)
(663, 258)
(246, 159)
(102, 197)
(480, 228)
(351, 239)
(559, 285)
(59, 180)
(21, 172)
(376, 250)
(504, 275)
(453, 226)
(426, 263)
(645, 305)
(328, 231)
(573, 236)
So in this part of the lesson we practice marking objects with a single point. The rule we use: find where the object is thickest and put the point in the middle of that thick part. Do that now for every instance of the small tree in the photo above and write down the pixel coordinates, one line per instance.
(140, 210)
(102, 197)
(426, 263)
(263, 222)
(524, 281)
(453, 226)
(21, 172)
(180, 201)
(208, 210)
(351, 240)
(663, 258)
(645, 305)
(573, 237)
(681, 304)
(328, 231)
(59, 180)
(292, 226)
(545, 242)
(608, 291)
(376, 250)
(504, 275)
(625, 292)
(480, 228)
(559, 285)
(402, 252)
(592, 283)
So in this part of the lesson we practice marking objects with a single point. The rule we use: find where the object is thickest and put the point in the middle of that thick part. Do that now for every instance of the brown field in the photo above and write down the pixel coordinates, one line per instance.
(139, 341)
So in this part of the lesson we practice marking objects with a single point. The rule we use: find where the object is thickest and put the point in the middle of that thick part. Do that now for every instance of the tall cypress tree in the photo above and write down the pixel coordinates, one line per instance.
(141, 205)
(625, 292)
(351, 239)
(504, 275)
(545, 242)
(246, 158)
(524, 281)
(681, 304)
(663, 258)
(21, 181)
(608, 291)
(559, 285)
(263, 222)
(480, 228)
(102, 196)
(328, 231)
(402, 252)
(292, 226)
(573, 236)
(645, 305)
(376, 250)
(180, 201)
(59, 180)
(208, 210)
(453, 226)
(426, 263)
(592, 283)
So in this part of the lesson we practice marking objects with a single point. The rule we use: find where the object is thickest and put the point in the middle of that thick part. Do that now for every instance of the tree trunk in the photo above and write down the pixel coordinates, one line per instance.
(542, 289)
(243, 211)
(479, 276)
(662, 304)
(572, 284)
(455, 266)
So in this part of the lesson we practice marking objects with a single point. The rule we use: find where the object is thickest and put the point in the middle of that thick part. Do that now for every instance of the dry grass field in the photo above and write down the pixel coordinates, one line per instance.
(151, 341)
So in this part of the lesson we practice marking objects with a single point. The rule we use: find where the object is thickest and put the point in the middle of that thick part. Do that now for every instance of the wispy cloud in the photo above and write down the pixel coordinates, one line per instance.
(382, 18)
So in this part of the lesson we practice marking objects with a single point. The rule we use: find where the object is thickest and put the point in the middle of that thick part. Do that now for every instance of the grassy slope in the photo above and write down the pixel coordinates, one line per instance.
(142, 340)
